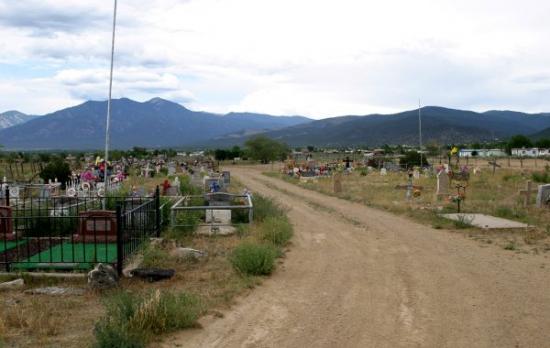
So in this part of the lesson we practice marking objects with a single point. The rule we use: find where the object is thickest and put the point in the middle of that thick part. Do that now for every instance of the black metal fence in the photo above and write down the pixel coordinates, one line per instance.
(74, 233)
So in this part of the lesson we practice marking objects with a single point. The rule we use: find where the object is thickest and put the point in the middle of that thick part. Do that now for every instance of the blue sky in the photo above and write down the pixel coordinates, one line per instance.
(286, 57)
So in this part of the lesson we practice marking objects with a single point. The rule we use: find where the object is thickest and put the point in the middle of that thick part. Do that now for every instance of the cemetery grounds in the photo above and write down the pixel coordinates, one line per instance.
(68, 320)
(496, 195)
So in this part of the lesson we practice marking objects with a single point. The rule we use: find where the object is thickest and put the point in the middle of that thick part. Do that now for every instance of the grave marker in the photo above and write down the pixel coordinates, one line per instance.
(442, 184)
(543, 196)
(527, 194)
(6, 224)
(97, 225)
(337, 178)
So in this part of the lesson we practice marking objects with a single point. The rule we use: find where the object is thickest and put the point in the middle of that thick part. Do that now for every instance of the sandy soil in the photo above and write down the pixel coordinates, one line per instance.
(361, 277)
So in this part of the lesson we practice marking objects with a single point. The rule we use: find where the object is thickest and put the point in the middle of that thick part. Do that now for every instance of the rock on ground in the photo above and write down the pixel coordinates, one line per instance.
(102, 277)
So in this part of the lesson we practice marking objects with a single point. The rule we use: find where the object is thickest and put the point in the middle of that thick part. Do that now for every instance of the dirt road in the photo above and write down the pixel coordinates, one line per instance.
(360, 277)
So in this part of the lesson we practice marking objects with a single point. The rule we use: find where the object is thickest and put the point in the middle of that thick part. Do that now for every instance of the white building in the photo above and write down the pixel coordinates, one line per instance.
(482, 153)
(530, 152)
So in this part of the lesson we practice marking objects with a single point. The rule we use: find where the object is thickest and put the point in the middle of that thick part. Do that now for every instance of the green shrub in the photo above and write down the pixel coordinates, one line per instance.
(186, 188)
(542, 177)
(254, 259)
(131, 320)
(277, 230)
(264, 207)
(509, 213)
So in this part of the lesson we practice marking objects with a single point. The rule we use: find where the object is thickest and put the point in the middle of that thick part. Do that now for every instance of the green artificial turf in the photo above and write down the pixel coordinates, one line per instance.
(7, 245)
(78, 256)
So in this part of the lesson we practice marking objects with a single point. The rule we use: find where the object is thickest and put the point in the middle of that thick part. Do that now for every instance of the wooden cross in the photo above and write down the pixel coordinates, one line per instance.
(527, 193)
(495, 165)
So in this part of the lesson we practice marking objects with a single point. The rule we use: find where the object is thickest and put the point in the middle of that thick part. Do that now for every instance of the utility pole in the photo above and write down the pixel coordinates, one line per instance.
(420, 132)
(108, 121)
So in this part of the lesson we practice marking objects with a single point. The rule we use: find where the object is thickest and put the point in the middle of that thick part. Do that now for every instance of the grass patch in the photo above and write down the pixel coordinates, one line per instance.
(511, 246)
(155, 257)
(463, 222)
(131, 321)
(541, 177)
(265, 207)
(254, 259)
(276, 230)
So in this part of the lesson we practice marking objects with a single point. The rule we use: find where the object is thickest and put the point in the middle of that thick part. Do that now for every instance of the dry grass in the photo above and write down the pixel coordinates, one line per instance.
(49, 321)
(493, 195)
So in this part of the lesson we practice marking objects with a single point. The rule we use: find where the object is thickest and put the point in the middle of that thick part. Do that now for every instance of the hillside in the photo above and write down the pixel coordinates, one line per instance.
(13, 118)
(439, 124)
(155, 123)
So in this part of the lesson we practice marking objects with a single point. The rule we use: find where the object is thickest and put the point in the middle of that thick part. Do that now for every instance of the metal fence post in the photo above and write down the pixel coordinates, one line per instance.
(7, 196)
(157, 211)
(119, 241)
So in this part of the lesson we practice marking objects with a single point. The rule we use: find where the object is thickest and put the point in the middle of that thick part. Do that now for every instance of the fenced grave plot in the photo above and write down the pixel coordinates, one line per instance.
(76, 256)
(212, 213)
(8, 245)
(74, 233)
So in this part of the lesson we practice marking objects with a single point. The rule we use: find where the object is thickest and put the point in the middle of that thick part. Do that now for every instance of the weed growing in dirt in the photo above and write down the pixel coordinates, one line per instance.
(463, 222)
(254, 259)
(276, 230)
(542, 177)
(265, 207)
(132, 320)
(511, 246)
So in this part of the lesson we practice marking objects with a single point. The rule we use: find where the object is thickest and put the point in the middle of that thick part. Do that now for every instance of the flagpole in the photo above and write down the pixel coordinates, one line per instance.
(108, 121)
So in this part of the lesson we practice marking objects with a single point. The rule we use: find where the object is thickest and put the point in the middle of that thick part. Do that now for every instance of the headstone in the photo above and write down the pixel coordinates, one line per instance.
(219, 216)
(416, 174)
(102, 277)
(97, 225)
(543, 196)
(527, 193)
(442, 183)
(383, 172)
(337, 183)
(172, 168)
(226, 177)
(6, 224)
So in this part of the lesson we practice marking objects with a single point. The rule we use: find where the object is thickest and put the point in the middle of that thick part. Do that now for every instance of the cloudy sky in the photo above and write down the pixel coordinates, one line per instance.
(315, 58)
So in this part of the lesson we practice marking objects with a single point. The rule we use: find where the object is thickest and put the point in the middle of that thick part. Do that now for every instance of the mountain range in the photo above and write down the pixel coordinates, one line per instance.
(155, 123)
(441, 125)
(161, 123)
(12, 118)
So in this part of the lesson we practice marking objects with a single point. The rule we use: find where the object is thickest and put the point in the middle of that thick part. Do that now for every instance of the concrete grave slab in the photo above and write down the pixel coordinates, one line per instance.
(485, 221)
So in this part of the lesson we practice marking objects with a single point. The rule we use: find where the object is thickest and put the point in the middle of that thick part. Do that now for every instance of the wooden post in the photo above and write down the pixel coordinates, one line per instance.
(527, 194)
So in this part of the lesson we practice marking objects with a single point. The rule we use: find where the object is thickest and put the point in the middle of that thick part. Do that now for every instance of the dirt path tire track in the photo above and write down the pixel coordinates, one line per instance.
(382, 282)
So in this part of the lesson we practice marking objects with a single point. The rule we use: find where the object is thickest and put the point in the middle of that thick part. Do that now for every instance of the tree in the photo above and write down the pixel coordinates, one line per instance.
(412, 158)
(56, 169)
(543, 143)
(517, 142)
(264, 149)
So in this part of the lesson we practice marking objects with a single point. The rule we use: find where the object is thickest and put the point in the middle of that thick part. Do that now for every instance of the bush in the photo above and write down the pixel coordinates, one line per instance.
(412, 159)
(541, 177)
(254, 259)
(56, 169)
(131, 320)
(265, 207)
(277, 230)
(186, 188)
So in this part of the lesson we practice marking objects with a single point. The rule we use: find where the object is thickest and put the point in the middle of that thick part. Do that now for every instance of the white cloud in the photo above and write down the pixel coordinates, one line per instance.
(318, 58)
